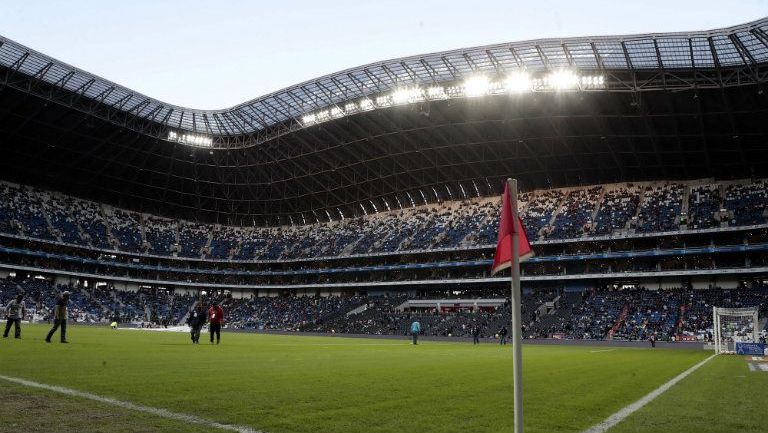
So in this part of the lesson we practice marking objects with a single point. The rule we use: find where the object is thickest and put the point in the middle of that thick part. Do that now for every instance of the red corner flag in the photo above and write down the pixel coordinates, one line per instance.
(503, 258)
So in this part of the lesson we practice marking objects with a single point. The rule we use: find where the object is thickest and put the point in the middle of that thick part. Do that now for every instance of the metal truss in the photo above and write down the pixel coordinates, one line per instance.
(720, 58)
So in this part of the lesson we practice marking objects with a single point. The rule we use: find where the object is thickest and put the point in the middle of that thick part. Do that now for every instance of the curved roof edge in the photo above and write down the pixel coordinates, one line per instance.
(281, 112)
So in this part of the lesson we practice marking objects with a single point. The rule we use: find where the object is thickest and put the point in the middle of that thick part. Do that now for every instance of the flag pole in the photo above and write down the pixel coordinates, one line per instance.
(515, 306)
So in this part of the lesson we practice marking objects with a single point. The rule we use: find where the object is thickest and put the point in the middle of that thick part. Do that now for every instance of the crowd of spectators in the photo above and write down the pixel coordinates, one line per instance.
(90, 219)
(160, 235)
(537, 210)
(22, 213)
(615, 211)
(62, 222)
(574, 218)
(660, 208)
(126, 230)
(747, 203)
(704, 204)
(287, 313)
(546, 215)
(101, 304)
(192, 239)
(605, 313)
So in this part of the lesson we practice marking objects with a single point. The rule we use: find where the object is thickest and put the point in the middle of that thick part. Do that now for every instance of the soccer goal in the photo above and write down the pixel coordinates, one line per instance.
(732, 326)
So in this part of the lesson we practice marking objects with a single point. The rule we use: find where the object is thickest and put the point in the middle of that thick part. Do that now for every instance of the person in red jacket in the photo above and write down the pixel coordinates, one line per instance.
(215, 318)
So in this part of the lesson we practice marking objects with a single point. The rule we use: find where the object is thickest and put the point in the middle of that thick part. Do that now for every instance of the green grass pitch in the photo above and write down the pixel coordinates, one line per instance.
(320, 384)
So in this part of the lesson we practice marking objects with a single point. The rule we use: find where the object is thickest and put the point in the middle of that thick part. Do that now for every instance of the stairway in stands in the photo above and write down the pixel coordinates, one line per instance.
(619, 321)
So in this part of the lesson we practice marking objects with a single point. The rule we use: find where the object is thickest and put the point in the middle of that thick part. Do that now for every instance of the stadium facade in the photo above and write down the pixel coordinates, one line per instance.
(643, 158)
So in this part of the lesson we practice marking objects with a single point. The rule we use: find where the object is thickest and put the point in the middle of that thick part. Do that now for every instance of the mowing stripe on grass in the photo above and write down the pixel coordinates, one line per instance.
(619, 416)
(191, 419)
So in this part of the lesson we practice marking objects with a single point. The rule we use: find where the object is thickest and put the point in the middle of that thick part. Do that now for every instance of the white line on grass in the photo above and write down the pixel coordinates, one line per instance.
(604, 350)
(191, 419)
(619, 416)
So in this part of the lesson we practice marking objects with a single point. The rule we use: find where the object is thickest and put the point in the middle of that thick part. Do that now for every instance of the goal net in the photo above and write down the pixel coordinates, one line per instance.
(732, 326)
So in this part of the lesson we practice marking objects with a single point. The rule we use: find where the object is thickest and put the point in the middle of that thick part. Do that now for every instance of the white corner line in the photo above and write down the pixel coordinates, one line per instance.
(164, 413)
(603, 350)
(622, 414)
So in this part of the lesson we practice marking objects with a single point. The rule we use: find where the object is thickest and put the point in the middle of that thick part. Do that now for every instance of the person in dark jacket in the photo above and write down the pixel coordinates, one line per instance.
(215, 318)
(60, 318)
(196, 320)
(15, 311)
(475, 334)
(503, 335)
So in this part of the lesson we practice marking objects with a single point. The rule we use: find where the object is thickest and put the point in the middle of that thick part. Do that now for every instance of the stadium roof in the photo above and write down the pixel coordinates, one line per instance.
(638, 108)
(738, 48)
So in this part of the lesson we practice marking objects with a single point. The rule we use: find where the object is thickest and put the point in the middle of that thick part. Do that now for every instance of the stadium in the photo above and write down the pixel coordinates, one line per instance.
(327, 217)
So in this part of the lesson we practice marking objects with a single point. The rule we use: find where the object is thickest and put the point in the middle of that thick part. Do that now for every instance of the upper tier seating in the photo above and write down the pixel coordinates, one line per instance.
(547, 215)
(660, 208)
(616, 209)
(704, 203)
(747, 202)
(575, 216)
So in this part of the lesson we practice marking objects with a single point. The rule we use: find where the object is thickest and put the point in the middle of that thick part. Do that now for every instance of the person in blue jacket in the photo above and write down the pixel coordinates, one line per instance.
(415, 329)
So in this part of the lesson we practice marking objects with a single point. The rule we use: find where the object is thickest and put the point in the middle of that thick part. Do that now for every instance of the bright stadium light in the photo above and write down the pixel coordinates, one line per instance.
(476, 86)
(309, 119)
(400, 96)
(191, 139)
(473, 86)
(366, 105)
(436, 92)
(518, 82)
(405, 95)
(591, 81)
(323, 115)
(383, 101)
(564, 79)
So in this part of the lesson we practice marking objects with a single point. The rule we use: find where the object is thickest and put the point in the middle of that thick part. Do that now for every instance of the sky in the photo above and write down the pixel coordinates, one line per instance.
(216, 54)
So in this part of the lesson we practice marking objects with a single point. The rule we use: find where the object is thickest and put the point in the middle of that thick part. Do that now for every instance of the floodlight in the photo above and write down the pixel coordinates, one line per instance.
(563, 79)
(592, 81)
(192, 139)
(322, 115)
(336, 112)
(350, 107)
(436, 92)
(400, 96)
(366, 104)
(476, 86)
(383, 101)
(518, 82)
(309, 118)
(404, 95)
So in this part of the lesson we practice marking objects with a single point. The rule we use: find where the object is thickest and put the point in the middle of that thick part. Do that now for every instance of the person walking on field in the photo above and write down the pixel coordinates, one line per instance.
(415, 330)
(503, 335)
(215, 318)
(15, 311)
(475, 334)
(60, 318)
(196, 321)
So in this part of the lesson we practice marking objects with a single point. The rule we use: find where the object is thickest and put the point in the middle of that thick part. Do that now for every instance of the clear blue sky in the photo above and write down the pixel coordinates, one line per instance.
(215, 54)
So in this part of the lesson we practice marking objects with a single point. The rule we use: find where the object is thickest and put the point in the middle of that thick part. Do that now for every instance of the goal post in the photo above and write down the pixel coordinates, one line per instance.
(734, 325)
